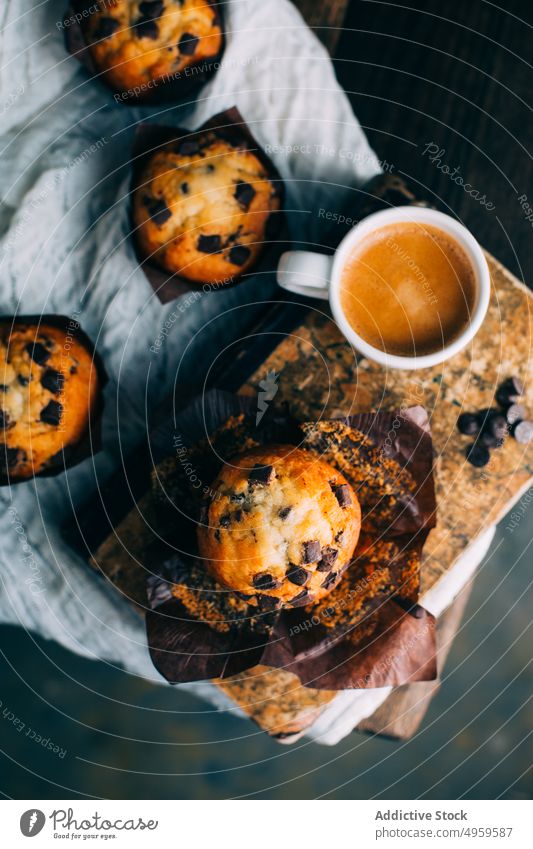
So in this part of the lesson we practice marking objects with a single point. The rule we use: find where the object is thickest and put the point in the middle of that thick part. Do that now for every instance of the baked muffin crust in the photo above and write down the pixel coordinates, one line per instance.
(202, 207)
(48, 392)
(137, 42)
(280, 528)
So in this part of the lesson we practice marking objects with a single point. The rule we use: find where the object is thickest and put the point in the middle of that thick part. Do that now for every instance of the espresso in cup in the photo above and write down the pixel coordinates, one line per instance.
(408, 289)
(409, 286)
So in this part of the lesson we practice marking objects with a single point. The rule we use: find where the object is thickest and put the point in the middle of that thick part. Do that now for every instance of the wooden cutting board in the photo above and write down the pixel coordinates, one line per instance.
(319, 375)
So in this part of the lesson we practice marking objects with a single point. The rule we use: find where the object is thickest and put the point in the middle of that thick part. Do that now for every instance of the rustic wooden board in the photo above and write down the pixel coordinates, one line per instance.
(319, 374)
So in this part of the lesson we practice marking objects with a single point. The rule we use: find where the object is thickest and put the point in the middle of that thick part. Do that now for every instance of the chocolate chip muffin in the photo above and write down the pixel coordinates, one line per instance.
(49, 392)
(203, 207)
(280, 527)
(137, 45)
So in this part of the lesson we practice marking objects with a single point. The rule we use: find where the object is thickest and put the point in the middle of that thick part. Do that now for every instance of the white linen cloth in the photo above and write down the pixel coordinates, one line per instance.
(64, 248)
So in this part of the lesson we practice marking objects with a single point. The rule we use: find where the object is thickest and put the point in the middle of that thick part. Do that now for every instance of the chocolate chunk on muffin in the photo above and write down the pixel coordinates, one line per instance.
(202, 205)
(276, 529)
(50, 394)
(137, 45)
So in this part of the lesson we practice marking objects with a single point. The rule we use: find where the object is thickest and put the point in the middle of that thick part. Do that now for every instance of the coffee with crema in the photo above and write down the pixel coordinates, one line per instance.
(408, 289)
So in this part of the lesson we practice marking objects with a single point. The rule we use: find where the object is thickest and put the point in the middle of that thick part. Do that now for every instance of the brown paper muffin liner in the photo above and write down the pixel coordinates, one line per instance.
(167, 90)
(91, 441)
(229, 125)
(370, 630)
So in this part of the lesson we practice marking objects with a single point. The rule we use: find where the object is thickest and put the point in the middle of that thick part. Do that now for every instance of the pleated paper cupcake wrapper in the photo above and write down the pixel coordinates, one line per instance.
(171, 88)
(230, 125)
(370, 630)
(90, 442)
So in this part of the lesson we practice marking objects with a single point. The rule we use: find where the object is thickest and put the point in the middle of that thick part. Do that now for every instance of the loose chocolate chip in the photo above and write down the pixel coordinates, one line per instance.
(51, 414)
(209, 244)
(311, 551)
(329, 556)
(261, 474)
(517, 384)
(38, 353)
(146, 28)
(523, 432)
(515, 413)
(184, 188)
(478, 454)
(266, 603)
(244, 194)
(510, 391)
(284, 512)
(489, 440)
(342, 494)
(4, 419)
(53, 381)
(264, 581)
(188, 147)
(468, 423)
(302, 598)
(152, 8)
(23, 380)
(157, 209)
(106, 27)
(239, 254)
(9, 457)
(297, 575)
(225, 521)
(187, 44)
(329, 580)
(494, 423)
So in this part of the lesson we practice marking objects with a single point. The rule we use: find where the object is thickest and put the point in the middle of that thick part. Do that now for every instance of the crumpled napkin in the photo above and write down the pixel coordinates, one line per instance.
(64, 248)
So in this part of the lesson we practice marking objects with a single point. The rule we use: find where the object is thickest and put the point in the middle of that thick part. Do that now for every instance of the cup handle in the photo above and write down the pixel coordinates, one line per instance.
(305, 273)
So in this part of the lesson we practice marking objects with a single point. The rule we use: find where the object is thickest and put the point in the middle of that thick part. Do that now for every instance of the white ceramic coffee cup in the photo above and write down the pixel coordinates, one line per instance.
(319, 276)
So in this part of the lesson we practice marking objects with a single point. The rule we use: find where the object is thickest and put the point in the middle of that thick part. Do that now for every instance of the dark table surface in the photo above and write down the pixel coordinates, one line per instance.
(457, 76)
